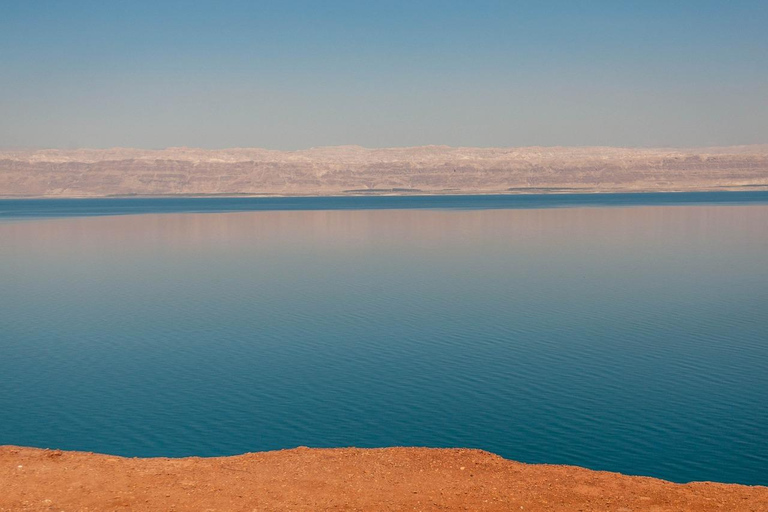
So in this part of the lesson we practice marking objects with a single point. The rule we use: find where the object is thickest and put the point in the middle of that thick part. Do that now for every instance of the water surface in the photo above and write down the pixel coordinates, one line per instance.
(624, 339)
(62, 207)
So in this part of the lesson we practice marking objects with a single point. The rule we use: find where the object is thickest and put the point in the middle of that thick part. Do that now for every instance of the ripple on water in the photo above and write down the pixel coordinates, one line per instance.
(616, 341)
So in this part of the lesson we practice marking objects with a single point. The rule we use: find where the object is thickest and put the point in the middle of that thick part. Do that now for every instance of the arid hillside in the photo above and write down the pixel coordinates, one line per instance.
(346, 170)
(343, 479)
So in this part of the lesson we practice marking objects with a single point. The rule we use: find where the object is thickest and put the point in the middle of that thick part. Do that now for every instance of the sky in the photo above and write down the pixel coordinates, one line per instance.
(296, 74)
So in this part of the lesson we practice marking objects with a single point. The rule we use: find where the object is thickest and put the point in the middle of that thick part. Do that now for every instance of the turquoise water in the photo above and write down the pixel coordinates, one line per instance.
(625, 335)
(36, 208)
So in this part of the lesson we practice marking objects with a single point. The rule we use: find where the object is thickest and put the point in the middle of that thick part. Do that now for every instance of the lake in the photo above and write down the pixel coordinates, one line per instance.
(624, 332)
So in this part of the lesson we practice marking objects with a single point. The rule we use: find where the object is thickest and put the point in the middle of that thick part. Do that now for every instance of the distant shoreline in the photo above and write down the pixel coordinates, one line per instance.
(383, 193)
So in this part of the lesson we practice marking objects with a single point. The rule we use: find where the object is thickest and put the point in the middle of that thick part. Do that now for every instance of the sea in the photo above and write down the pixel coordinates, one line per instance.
(619, 332)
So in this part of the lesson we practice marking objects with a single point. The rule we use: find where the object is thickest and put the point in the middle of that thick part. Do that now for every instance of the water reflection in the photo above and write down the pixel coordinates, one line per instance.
(627, 339)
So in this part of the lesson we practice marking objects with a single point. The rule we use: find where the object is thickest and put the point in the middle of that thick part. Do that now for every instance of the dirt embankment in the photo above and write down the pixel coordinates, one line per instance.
(342, 479)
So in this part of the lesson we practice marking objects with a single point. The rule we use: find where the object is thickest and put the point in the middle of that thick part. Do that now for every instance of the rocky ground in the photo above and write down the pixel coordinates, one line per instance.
(342, 479)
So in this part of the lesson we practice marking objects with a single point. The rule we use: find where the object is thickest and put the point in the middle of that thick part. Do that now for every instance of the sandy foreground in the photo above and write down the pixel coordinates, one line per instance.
(342, 479)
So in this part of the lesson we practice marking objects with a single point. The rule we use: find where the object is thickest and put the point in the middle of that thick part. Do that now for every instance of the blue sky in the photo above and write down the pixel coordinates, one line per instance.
(296, 74)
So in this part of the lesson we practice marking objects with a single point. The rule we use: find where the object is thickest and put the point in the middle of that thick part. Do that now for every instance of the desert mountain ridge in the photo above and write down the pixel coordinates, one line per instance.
(342, 170)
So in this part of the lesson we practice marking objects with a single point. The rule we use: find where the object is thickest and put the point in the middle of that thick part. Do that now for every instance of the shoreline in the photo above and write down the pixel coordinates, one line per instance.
(420, 193)
(302, 478)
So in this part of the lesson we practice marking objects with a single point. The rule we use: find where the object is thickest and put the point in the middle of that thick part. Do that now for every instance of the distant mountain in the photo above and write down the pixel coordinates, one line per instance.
(346, 170)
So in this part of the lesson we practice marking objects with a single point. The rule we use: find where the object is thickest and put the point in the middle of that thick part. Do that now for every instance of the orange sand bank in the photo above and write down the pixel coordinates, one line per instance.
(342, 479)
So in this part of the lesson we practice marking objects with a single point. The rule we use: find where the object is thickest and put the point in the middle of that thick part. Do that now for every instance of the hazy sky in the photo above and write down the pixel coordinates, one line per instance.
(294, 74)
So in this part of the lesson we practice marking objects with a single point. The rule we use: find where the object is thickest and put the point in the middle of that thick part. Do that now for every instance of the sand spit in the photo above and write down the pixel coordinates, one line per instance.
(353, 170)
(342, 479)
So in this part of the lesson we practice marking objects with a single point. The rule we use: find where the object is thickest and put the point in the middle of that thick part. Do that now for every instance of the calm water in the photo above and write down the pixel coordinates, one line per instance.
(38, 208)
(630, 339)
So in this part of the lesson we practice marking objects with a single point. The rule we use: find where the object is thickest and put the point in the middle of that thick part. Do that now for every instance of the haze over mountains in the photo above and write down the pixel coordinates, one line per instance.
(348, 170)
